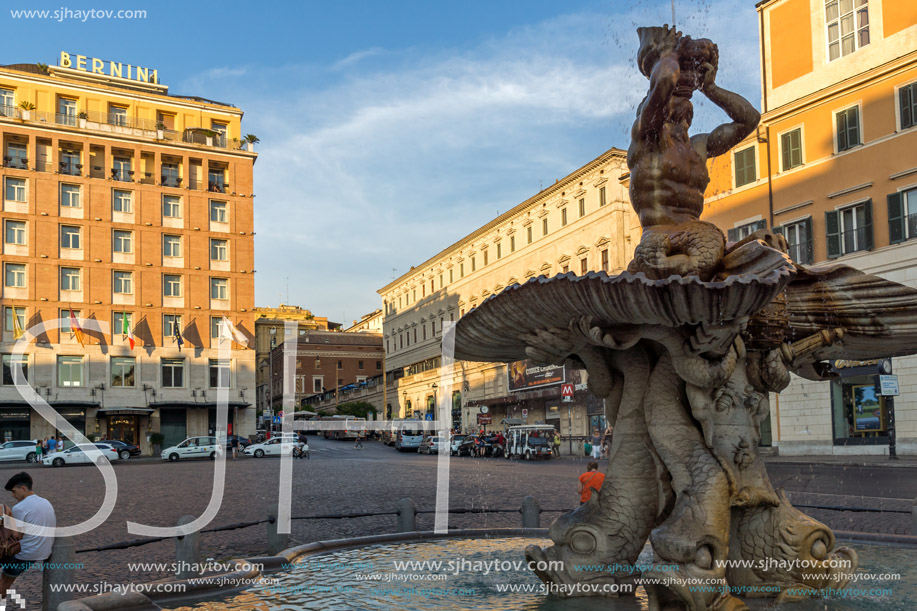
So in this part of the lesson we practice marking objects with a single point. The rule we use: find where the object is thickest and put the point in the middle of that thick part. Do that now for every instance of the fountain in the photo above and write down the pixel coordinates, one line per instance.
(685, 346)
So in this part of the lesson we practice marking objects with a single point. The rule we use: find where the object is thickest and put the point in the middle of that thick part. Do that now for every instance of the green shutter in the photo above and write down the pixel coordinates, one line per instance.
(810, 258)
(904, 104)
(867, 212)
(787, 153)
(841, 131)
(796, 139)
(758, 226)
(778, 230)
(853, 124)
(895, 218)
(833, 234)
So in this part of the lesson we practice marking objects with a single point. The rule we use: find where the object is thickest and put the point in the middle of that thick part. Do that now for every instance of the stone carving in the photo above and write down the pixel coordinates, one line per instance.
(685, 346)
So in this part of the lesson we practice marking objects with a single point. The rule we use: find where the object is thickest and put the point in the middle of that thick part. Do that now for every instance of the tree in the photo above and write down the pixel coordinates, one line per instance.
(356, 408)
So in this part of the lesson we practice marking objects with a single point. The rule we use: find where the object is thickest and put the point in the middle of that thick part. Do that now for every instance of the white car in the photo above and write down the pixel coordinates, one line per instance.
(430, 445)
(275, 446)
(19, 450)
(193, 447)
(77, 456)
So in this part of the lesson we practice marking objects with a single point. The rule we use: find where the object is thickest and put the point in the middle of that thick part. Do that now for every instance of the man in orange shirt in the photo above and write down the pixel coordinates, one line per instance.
(591, 480)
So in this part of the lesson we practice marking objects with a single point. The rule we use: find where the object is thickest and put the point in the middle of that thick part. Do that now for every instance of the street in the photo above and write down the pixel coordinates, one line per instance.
(340, 479)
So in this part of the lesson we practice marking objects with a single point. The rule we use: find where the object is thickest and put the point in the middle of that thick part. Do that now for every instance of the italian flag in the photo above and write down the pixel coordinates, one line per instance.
(127, 330)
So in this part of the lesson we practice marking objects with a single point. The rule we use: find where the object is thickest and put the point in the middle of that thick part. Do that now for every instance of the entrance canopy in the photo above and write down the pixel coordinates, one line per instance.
(124, 411)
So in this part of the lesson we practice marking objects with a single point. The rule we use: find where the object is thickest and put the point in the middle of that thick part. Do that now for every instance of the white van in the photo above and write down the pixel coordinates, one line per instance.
(193, 447)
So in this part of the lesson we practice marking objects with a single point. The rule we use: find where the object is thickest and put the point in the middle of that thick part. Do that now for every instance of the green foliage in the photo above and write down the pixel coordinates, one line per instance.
(26, 105)
(157, 438)
(43, 68)
(360, 409)
(252, 138)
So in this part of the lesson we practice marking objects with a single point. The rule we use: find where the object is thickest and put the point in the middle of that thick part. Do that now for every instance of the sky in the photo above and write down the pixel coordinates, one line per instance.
(391, 129)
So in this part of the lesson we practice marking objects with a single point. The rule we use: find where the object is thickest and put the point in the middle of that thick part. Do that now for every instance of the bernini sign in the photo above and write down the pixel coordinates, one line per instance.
(108, 68)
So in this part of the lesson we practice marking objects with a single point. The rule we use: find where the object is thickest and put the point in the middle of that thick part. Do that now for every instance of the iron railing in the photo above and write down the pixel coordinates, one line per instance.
(800, 252)
(854, 239)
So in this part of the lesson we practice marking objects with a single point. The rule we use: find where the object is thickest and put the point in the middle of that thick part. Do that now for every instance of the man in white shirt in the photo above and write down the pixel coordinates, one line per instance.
(35, 518)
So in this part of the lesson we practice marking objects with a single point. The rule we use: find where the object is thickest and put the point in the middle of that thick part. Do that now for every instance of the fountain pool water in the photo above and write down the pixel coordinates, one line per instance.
(337, 581)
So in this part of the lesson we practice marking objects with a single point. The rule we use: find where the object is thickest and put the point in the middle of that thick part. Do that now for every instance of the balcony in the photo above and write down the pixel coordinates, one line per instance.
(122, 175)
(800, 252)
(170, 181)
(216, 186)
(70, 168)
(20, 163)
(854, 239)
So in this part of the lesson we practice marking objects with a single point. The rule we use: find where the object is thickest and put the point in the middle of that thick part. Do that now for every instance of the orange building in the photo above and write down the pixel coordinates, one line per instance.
(833, 168)
(131, 207)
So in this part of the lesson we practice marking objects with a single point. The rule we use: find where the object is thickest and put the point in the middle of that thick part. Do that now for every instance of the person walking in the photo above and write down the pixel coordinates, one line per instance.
(358, 443)
(606, 441)
(60, 444)
(21, 551)
(591, 480)
(39, 451)
(555, 444)
(596, 444)
(235, 446)
(49, 444)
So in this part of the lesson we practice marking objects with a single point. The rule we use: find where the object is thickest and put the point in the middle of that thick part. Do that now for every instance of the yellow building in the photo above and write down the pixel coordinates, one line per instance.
(832, 167)
(130, 206)
(582, 223)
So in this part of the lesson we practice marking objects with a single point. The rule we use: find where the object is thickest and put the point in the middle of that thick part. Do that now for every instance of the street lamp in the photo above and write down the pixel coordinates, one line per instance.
(404, 404)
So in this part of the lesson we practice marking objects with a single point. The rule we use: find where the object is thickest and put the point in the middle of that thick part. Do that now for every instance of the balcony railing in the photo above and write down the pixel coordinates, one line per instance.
(10, 111)
(854, 239)
(910, 222)
(171, 181)
(70, 168)
(800, 252)
(216, 187)
(20, 163)
(122, 174)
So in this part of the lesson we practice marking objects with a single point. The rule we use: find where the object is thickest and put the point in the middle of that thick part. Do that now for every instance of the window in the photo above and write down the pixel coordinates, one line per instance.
(378, 365)
(171, 322)
(66, 112)
(849, 229)
(171, 246)
(565, 269)
(582, 207)
(799, 240)
(848, 26)
(583, 266)
(215, 327)
(169, 175)
(848, 128)
(907, 105)
(221, 130)
(461, 270)
(7, 105)
(473, 263)
(791, 149)
(743, 231)
(122, 241)
(70, 279)
(69, 371)
(902, 216)
(219, 373)
(219, 288)
(171, 286)
(485, 257)
(171, 206)
(318, 383)
(69, 196)
(9, 361)
(601, 196)
(14, 316)
(122, 372)
(499, 254)
(117, 115)
(218, 212)
(745, 166)
(219, 250)
(173, 373)
(15, 190)
(544, 226)
(121, 169)
(605, 259)
(450, 280)
(512, 243)
(69, 237)
(65, 316)
(14, 275)
(563, 217)
(15, 232)
(18, 154)
(118, 320)
(122, 283)
(529, 233)
(121, 201)
(70, 163)
(216, 179)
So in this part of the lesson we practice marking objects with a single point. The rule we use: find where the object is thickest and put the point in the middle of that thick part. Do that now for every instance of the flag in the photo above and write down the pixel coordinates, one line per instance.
(76, 329)
(126, 330)
(229, 331)
(17, 328)
(178, 338)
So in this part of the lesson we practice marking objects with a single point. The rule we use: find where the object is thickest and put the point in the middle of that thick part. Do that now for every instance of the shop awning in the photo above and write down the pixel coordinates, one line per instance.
(125, 411)
(198, 404)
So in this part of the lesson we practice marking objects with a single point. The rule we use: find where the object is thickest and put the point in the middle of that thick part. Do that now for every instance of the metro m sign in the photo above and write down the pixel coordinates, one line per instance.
(566, 392)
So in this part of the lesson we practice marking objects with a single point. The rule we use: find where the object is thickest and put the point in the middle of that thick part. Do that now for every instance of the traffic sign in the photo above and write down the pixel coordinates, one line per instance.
(525, 413)
(429, 416)
(888, 385)
(566, 392)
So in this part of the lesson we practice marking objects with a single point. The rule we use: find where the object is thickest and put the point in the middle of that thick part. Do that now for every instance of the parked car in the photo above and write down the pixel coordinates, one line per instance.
(19, 450)
(125, 450)
(193, 447)
(468, 446)
(77, 455)
(455, 442)
(275, 446)
(429, 445)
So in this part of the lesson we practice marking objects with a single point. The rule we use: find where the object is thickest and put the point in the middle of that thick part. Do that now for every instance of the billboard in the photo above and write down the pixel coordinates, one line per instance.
(522, 375)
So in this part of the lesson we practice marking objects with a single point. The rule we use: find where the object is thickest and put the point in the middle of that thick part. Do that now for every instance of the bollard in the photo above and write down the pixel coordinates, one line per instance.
(406, 516)
(276, 542)
(59, 571)
(531, 513)
(188, 551)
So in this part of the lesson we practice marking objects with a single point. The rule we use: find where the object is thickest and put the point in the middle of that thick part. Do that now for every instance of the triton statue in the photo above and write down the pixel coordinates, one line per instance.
(685, 347)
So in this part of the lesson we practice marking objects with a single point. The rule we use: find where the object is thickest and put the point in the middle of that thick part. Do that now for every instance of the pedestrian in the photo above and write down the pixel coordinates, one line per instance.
(60, 444)
(235, 446)
(555, 445)
(606, 441)
(39, 450)
(22, 550)
(48, 444)
(358, 443)
(591, 480)
(596, 444)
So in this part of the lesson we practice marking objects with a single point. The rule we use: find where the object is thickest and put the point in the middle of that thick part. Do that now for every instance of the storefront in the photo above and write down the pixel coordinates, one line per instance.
(127, 424)
(15, 421)
(860, 414)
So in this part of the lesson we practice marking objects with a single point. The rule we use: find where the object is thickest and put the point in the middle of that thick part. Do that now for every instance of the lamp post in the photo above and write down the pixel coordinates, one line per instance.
(270, 386)
(434, 387)
(404, 404)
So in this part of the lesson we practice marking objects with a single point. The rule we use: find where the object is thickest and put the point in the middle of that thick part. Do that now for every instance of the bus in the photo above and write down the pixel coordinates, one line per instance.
(410, 434)
(359, 426)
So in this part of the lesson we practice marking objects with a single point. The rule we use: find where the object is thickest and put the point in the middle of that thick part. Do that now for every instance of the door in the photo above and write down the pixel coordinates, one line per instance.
(123, 428)
(173, 426)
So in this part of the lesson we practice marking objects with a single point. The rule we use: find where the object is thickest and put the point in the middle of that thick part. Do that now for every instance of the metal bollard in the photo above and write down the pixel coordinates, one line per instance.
(188, 551)
(276, 542)
(59, 571)
(531, 513)
(407, 513)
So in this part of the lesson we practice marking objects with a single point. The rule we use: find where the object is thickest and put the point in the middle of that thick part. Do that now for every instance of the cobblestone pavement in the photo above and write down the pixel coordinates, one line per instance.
(340, 479)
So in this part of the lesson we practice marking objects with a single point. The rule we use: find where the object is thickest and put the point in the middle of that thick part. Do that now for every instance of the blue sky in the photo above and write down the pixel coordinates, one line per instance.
(389, 130)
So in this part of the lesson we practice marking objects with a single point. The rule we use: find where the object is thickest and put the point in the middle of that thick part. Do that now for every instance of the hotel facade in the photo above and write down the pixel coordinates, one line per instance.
(584, 222)
(832, 167)
(129, 207)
